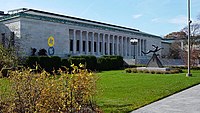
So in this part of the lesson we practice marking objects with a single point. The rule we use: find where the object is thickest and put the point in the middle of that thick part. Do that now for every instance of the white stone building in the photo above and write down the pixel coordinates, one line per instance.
(72, 36)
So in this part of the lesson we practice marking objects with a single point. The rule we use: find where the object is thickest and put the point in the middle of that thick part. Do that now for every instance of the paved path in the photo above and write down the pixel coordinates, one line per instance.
(187, 101)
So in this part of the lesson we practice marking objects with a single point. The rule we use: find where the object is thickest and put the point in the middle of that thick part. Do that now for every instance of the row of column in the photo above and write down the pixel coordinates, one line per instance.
(84, 42)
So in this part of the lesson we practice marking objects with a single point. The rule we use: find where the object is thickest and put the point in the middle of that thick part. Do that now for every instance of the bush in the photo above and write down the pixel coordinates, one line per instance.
(90, 61)
(46, 63)
(8, 57)
(40, 92)
(32, 61)
(159, 72)
(128, 70)
(77, 61)
(146, 71)
(152, 72)
(116, 61)
(134, 70)
(65, 64)
(5, 72)
(103, 64)
(56, 61)
(110, 62)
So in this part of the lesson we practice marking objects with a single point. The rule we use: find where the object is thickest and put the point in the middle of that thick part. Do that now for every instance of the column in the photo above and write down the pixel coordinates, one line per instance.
(92, 43)
(74, 42)
(108, 44)
(138, 48)
(98, 41)
(117, 46)
(81, 42)
(129, 46)
(103, 44)
(145, 46)
(68, 40)
(125, 46)
(122, 46)
(113, 45)
(86, 44)
(141, 47)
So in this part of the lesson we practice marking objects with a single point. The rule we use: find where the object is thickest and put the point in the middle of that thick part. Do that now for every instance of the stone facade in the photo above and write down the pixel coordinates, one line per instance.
(74, 36)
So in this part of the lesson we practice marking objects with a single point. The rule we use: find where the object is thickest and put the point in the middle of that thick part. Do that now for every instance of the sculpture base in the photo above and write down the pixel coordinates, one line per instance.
(153, 69)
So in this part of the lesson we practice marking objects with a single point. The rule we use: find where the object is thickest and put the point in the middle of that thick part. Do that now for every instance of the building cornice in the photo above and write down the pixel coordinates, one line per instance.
(75, 23)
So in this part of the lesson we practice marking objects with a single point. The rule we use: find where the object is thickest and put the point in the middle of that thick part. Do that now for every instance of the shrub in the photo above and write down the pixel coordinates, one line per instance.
(46, 63)
(152, 72)
(56, 61)
(40, 92)
(103, 64)
(76, 61)
(128, 70)
(146, 71)
(65, 64)
(159, 72)
(140, 71)
(91, 62)
(116, 60)
(5, 72)
(134, 70)
(167, 72)
(110, 62)
(32, 61)
(8, 57)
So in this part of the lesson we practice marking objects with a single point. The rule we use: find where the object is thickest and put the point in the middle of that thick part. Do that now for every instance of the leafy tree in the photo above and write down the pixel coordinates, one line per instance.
(176, 35)
(181, 36)
(7, 57)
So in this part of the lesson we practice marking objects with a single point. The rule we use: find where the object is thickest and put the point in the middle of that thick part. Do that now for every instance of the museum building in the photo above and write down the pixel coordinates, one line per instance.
(64, 35)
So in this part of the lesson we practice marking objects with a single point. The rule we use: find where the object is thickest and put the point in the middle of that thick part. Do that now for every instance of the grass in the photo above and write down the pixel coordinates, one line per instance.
(121, 92)
(124, 92)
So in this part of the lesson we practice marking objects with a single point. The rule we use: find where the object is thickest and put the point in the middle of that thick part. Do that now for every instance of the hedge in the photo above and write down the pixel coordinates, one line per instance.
(91, 62)
(32, 61)
(110, 62)
(76, 61)
(46, 63)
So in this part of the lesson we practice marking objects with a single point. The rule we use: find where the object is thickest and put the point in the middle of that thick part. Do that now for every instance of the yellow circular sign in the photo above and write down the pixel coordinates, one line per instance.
(51, 41)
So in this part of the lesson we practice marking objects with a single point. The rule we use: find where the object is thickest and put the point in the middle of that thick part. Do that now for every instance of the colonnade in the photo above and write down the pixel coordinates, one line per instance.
(93, 43)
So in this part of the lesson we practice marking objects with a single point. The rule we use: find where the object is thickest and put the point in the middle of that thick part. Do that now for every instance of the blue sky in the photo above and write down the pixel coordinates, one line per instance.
(158, 17)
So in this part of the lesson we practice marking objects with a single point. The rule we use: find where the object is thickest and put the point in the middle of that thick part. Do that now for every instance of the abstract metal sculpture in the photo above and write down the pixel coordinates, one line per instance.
(154, 61)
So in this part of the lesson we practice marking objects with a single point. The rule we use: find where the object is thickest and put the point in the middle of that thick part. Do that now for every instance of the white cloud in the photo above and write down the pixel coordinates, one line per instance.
(137, 16)
(156, 20)
(179, 20)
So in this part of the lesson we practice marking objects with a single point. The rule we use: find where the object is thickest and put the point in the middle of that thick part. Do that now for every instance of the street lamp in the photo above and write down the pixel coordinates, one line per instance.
(189, 22)
(134, 42)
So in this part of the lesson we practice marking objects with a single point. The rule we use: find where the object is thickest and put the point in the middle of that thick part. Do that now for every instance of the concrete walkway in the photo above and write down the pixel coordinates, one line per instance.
(187, 101)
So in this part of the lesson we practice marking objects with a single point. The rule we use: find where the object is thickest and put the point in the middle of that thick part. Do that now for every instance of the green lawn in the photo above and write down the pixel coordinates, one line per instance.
(123, 92)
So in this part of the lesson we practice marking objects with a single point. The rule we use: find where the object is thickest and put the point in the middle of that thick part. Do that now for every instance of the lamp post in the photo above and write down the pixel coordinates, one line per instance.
(134, 42)
(189, 22)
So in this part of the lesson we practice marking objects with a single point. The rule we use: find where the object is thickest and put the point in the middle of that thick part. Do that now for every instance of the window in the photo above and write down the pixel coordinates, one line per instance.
(77, 45)
(111, 48)
(95, 46)
(84, 46)
(105, 48)
(71, 45)
(89, 44)
(100, 44)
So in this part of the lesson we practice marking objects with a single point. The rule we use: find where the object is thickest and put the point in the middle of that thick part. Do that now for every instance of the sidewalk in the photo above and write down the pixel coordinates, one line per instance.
(187, 101)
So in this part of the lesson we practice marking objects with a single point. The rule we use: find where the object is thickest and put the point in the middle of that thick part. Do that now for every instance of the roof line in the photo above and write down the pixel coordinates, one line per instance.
(81, 19)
